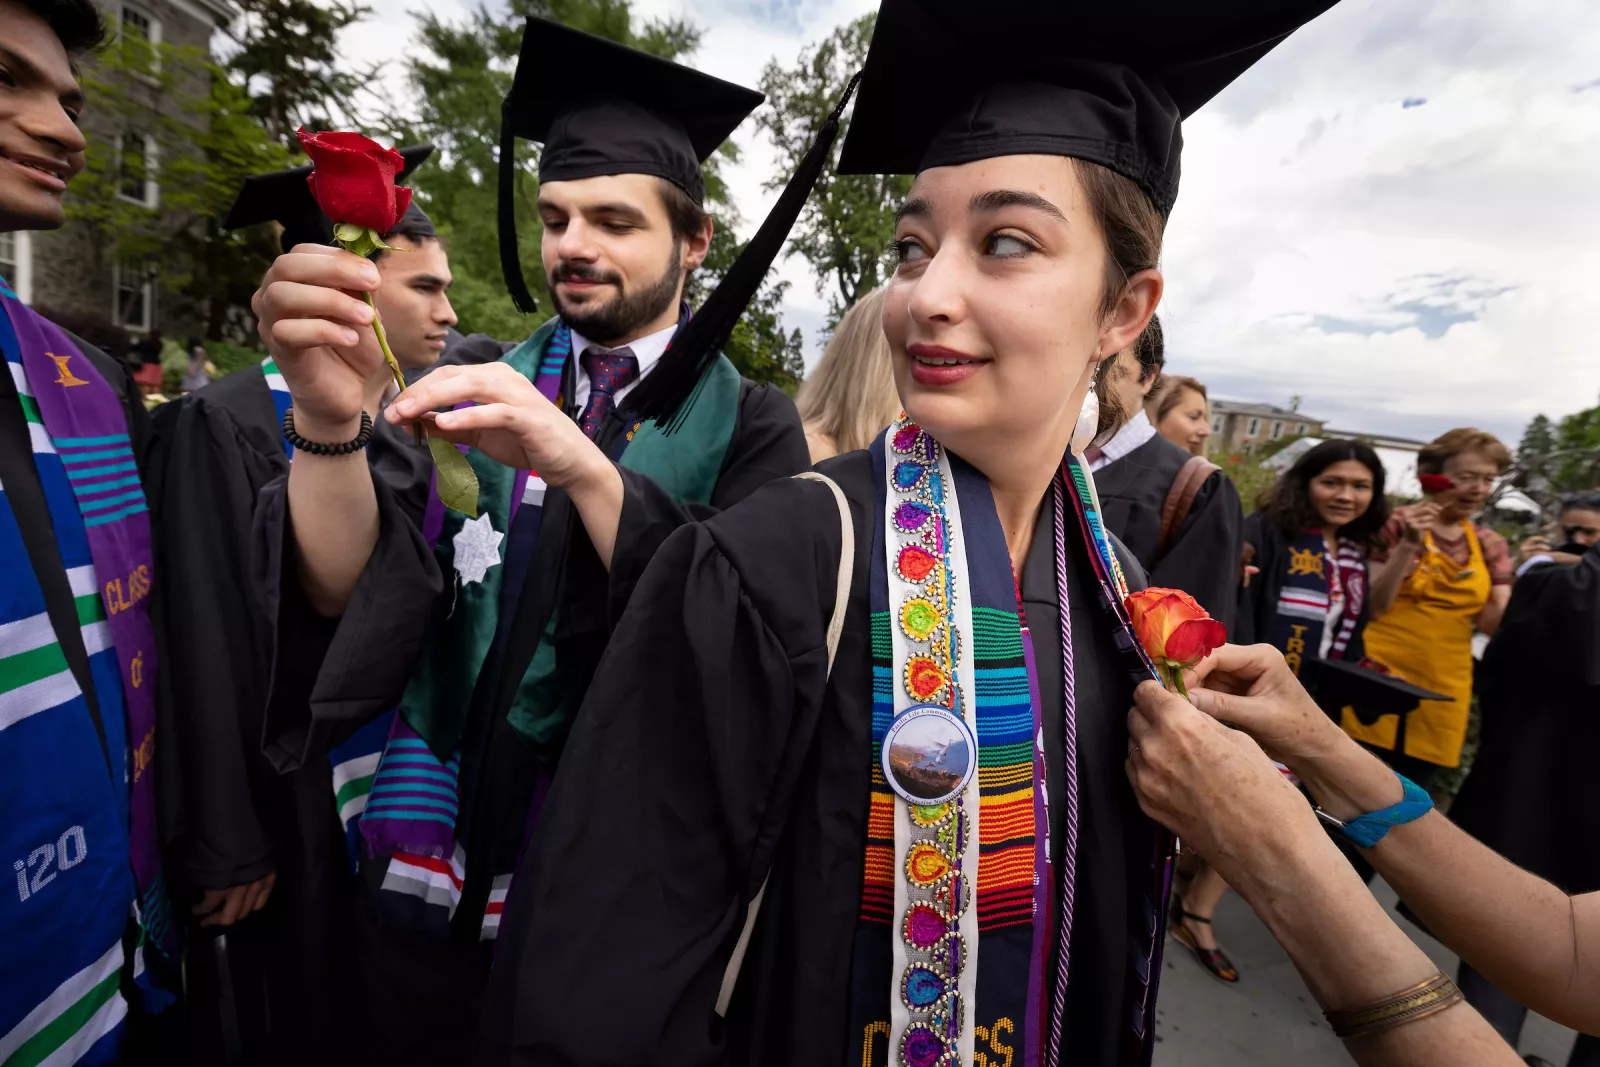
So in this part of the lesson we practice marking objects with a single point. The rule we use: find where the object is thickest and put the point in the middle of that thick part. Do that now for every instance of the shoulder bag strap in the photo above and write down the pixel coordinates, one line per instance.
(1180, 498)
(847, 566)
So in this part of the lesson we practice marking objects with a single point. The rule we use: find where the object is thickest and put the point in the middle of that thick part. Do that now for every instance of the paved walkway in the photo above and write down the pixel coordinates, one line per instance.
(1269, 1018)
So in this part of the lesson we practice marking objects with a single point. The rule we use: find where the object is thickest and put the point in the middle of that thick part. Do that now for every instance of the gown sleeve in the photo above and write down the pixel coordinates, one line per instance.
(675, 786)
(329, 676)
(213, 647)
(768, 443)
(1553, 621)
(1203, 560)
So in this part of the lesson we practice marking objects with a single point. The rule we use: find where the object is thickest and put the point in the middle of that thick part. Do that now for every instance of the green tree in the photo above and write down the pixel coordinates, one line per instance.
(170, 114)
(848, 224)
(1578, 451)
(459, 72)
(288, 62)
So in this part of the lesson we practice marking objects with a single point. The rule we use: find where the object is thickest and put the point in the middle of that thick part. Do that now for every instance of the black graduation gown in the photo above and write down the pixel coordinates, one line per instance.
(1203, 559)
(1258, 601)
(228, 818)
(713, 748)
(1530, 795)
(330, 678)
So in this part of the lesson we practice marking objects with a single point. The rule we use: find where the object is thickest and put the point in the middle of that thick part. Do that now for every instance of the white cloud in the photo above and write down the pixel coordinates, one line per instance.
(1391, 216)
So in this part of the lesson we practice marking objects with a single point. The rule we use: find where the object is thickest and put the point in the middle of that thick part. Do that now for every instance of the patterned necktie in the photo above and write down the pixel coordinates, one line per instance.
(608, 370)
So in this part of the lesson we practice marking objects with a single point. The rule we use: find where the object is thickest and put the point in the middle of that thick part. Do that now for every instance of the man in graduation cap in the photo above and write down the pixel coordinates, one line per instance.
(614, 423)
(863, 799)
(241, 838)
(85, 917)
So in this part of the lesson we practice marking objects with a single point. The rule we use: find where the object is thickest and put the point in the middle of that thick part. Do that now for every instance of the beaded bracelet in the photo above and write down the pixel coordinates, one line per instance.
(1407, 1006)
(316, 448)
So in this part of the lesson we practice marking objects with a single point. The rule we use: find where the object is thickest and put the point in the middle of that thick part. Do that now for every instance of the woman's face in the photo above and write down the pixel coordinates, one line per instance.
(1342, 493)
(994, 312)
(1189, 423)
(1474, 474)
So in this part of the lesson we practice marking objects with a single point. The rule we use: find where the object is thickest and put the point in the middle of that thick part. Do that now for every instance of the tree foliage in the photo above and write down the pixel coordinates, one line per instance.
(848, 224)
(459, 72)
(1559, 457)
(206, 141)
(288, 62)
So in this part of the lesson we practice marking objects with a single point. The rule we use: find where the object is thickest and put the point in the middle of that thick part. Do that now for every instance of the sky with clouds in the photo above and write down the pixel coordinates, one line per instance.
(1395, 216)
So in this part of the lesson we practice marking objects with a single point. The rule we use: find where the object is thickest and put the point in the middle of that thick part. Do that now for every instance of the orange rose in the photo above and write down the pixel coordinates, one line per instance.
(1174, 629)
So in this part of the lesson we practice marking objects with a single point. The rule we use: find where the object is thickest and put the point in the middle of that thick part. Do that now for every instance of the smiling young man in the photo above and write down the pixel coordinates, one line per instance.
(486, 629)
(85, 923)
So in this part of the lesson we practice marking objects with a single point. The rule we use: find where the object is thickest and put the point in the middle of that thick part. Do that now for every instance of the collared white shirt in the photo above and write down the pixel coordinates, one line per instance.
(647, 350)
(1135, 432)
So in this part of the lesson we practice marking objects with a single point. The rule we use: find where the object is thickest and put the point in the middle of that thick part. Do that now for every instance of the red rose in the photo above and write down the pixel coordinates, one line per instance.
(1175, 631)
(352, 180)
(1433, 484)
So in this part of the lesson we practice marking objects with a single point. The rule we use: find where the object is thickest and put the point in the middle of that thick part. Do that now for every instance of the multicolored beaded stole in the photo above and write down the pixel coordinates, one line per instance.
(955, 868)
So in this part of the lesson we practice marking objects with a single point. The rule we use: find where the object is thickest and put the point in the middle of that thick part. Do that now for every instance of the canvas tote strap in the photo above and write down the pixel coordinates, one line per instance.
(847, 560)
(1180, 499)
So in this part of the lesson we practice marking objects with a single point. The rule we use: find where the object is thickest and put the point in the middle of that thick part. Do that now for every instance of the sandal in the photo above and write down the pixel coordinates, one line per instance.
(1212, 959)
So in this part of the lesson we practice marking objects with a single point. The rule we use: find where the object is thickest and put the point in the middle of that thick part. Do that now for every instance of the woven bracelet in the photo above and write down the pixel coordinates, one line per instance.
(316, 448)
(1407, 1006)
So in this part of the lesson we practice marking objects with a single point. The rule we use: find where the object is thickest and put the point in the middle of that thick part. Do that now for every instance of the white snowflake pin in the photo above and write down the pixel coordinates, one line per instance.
(477, 548)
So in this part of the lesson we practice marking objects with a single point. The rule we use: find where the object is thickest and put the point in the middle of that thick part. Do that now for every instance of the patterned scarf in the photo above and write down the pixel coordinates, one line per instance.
(1308, 580)
(958, 897)
(80, 808)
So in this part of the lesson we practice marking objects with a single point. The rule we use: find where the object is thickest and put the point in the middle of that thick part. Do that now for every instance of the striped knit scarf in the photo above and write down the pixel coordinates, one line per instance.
(1307, 584)
(79, 807)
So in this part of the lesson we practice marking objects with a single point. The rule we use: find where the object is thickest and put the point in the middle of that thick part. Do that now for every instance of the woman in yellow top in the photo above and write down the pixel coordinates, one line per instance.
(1441, 579)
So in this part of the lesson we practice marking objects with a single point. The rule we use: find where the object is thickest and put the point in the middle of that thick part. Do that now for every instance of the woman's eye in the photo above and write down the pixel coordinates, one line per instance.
(907, 250)
(1007, 247)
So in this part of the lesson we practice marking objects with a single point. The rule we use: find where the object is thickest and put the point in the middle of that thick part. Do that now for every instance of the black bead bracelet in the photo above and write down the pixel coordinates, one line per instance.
(317, 448)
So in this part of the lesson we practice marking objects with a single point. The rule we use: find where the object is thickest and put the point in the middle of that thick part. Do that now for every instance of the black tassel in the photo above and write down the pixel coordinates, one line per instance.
(510, 260)
(661, 394)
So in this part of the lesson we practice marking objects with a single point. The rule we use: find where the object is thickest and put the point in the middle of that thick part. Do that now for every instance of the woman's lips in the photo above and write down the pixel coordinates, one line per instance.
(938, 366)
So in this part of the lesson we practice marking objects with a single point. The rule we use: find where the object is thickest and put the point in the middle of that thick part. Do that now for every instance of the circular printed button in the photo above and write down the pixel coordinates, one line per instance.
(929, 755)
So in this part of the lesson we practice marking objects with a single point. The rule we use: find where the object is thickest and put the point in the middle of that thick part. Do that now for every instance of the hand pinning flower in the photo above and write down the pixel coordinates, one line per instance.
(1175, 630)
(352, 181)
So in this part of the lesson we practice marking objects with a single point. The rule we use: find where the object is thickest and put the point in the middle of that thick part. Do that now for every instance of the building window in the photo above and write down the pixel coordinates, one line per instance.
(1250, 431)
(1216, 424)
(1277, 429)
(1300, 429)
(140, 33)
(16, 263)
(136, 170)
(135, 294)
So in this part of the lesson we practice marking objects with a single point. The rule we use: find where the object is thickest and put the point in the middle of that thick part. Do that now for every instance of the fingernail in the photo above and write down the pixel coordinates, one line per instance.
(350, 337)
(369, 274)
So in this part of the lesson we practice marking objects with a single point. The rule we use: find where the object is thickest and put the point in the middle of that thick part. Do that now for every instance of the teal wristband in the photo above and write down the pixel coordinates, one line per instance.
(1367, 830)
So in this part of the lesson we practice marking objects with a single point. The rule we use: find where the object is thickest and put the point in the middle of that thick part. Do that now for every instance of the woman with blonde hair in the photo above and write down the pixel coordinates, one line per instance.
(850, 396)
(1181, 412)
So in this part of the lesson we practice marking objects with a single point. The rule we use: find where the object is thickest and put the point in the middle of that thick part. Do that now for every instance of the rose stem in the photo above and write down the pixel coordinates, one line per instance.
(1174, 677)
(394, 364)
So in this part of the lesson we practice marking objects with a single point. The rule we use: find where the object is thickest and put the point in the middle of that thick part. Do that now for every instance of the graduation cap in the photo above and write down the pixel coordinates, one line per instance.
(284, 197)
(947, 84)
(601, 108)
(1371, 694)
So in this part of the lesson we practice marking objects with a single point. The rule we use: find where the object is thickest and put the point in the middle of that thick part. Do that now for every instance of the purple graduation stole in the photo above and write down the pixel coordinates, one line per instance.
(84, 418)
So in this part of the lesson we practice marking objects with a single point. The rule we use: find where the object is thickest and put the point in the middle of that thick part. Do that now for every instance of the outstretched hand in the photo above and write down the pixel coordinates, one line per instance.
(1252, 687)
(1212, 786)
(510, 421)
(311, 316)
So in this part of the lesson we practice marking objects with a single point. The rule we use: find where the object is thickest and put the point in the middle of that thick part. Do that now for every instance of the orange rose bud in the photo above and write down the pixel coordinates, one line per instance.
(1173, 628)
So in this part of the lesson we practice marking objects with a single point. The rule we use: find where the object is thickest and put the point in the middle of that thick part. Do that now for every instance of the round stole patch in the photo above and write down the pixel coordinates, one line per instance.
(929, 755)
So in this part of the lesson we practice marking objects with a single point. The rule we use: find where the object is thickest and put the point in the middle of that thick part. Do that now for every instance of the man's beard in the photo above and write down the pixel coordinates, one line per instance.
(625, 312)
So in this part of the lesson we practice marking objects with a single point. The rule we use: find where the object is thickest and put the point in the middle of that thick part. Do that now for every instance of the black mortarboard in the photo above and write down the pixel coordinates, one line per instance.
(946, 83)
(600, 107)
(1371, 694)
(284, 197)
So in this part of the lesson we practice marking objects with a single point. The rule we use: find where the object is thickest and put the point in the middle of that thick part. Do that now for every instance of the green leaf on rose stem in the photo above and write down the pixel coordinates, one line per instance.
(359, 239)
(458, 482)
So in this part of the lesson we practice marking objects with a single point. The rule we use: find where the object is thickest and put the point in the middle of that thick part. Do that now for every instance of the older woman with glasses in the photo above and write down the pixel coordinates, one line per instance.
(1440, 579)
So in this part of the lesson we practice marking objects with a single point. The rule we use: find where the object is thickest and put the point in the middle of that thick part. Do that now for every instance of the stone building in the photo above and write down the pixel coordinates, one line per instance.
(1237, 426)
(78, 272)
